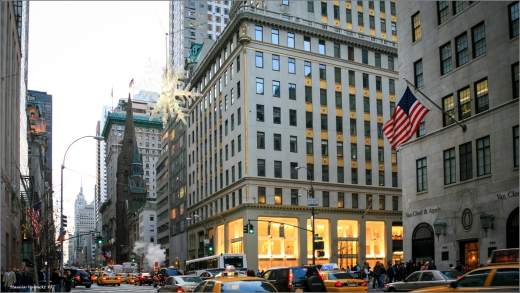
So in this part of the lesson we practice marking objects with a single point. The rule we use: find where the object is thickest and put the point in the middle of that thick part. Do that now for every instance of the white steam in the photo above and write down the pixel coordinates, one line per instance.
(150, 253)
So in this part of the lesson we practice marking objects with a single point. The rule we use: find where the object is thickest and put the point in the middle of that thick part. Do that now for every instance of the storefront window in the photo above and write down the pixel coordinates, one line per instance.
(375, 242)
(220, 240)
(277, 246)
(322, 231)
(235, 235)
(347, 243)
(397, 232)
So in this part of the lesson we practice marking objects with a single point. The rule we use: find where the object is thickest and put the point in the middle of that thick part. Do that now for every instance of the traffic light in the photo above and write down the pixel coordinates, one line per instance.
(133, 259)
(99, 240)
(320, 253)
(251, 229)
(64, 220)
(246, 229)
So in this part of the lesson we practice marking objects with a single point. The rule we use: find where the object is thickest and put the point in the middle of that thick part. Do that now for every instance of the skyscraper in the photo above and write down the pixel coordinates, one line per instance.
(46, 105)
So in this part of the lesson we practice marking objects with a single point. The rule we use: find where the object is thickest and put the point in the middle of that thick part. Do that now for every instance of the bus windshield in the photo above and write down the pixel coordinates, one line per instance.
(236, 261)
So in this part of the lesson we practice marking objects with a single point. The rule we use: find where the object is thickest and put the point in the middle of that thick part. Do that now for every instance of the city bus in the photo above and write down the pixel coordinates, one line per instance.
(220, 261)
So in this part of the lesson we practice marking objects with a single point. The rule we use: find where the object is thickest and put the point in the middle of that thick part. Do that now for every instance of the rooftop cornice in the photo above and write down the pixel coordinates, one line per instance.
(139, 121)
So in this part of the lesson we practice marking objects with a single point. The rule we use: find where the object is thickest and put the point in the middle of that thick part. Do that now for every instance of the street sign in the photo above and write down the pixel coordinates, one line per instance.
(206, 241)
(312, 202)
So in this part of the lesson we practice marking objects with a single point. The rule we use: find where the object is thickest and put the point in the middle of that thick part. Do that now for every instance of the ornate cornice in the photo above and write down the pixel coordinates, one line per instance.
(139, 121)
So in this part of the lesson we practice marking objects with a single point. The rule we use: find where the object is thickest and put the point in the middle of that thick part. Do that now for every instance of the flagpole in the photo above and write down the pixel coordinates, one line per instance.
(464, 128)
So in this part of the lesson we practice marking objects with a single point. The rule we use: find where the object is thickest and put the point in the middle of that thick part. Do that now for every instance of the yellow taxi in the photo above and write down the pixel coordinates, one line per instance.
(341, 281)
(124, 277)
(94, 275)
(234, 282)
(108, 278)
(131, 278)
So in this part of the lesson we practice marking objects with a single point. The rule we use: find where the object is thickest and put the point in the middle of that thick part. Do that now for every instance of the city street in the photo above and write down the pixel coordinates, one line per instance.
(122, 288)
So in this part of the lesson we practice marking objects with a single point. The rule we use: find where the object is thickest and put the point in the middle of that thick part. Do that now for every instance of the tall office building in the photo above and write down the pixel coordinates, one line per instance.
(46, 106)
(294, 96)
(84, 221)
(461, 185)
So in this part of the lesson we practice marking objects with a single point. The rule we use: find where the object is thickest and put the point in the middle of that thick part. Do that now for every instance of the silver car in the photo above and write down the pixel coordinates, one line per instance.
(180, 284)
(418, 280)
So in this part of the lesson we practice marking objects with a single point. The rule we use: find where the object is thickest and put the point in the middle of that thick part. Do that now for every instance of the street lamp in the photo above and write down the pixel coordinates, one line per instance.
(62, 229)
(312, 213)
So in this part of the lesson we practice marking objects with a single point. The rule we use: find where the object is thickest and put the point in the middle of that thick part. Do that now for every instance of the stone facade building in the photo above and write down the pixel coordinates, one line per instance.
(460, 187)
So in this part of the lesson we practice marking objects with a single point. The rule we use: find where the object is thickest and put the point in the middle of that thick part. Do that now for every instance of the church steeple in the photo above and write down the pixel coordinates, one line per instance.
(136, 164)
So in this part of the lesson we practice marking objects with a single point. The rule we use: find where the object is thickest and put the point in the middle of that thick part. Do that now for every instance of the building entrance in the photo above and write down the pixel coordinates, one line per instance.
(512, 234)
(469, 254)
(423, 245)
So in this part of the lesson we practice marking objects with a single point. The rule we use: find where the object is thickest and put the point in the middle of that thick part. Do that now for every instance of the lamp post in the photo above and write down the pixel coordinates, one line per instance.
(312, 213)
(62, 229)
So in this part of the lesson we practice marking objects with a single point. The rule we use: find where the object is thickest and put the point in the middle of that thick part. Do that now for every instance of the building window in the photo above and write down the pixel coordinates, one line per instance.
(383, 25)
(479, 40)
(422, 129)
(360, 18)
(381, 154)
(325, 173)
(371, 22)
(378, 83)
(513, 19)
(277, 140)
(310, 6)
(365, 81)
(261, 167)
(379, 107)
(516, 76)
(352, 102)
(462, 49)
(292, 91)
(260, 113)
(381, 178)
(339, 101)
(290, 40)
(259, 86)
(481, 89)
(308, 120)
(466, 161)
(276, 88)
(292, 117)
(309, 146)
(323, 72)
(416, 24)
(324, 124)
(355, 200)
(260, 140)
(422, 176)
(449, 166)
(337, 75)
(391, 87)
(294, 192)
(277, 169)
(276, 63)
(341, 175)
(378, 59)
(483, 156)
(390, 63)
(239, 143)
(367, 128)
(308, 94)
(443, 11)
(323, 9)
(326, 200)
(261, 194)
(274, 36)
(445, 53)
(448, 106)
(353, 127)
(323, 97)
(364, 56)
(324, 147)
(336, 12)
(351, 78)
(353, 151)
(259, 59)
(337, 51)
(310, 174)
(418, 73)
(292, 66)
(341, 200)
(349, 16)
(339, 149)
(515, 145)
(368, 177)
(277, 115)
(392, 107)
(285, 3)
(464, 104)
(394, 179)
(239, 116)
(395, 203)
(293, 144)
(307, 44)
(354, 176)
(258, 33)
(382, 205)
(339, 124)
(321, 47)
(368, 153)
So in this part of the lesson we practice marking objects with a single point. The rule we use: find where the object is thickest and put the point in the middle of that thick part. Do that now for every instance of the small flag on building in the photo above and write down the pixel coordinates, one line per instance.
(35, 218)
(405, 120)
(131, 83)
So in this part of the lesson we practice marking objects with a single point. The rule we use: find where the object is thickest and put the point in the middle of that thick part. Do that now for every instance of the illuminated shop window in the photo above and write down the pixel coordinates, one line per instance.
(220, 240)
(322, 230)
(347, 244)
(375, 242)
(235, 235)
(397, 232)
(277, 246)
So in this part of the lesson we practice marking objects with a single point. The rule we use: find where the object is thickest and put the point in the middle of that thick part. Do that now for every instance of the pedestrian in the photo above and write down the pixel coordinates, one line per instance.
(424, 266)
(390, 272)
(26, 281)
(56, 280)
(2, 287)
(383, 274)
(10, 280)
(432, 265)
(258, 273)
(66, 282)
(377, 276)
(459, 267)
(250, 273)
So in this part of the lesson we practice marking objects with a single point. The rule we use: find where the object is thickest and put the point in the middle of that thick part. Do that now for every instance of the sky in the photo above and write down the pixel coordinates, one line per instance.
(78, 53)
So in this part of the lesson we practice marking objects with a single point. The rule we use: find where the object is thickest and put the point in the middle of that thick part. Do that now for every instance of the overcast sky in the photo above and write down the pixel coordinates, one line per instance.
(78, 52)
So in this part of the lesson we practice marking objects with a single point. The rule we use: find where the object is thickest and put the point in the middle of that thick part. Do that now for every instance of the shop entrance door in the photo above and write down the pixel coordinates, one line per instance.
(469, 254)
(512, 230)
(423, 245)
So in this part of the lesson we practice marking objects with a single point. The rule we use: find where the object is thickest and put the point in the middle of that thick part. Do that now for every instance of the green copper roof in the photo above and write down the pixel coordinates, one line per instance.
(139, 121)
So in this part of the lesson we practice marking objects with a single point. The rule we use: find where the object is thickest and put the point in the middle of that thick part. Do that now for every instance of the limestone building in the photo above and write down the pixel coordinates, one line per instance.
(296, 84)
(460, 187)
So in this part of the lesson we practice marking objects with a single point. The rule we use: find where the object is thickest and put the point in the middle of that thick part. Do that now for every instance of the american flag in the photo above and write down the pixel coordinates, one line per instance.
(131, 83)
(407, 116)
(35, 217)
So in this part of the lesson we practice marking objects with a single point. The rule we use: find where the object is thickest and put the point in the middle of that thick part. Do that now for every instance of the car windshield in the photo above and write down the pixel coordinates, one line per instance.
(247, 286)
(182, 280)
(335, 276)
(123, 275)
(474, 279)
(451, 274)
(304, 272)
(83, 273)
(109, 275)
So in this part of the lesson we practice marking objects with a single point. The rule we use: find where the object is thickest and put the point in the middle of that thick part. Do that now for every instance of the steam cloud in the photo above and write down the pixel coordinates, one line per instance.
(152, 253)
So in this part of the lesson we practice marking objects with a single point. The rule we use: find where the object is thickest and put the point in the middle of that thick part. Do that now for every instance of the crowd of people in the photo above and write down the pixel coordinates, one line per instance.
(17, 280)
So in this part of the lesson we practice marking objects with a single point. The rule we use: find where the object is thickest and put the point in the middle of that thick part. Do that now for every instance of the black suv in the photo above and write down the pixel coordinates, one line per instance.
(296, 278)
(80, 278)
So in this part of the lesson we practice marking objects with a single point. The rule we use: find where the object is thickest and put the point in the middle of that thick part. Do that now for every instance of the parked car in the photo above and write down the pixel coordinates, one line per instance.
(419, 280)
(304, 278)
(81, 278)
(144, 278)
(108, 278)
(340, 281)
(180, 284)
(232, 282)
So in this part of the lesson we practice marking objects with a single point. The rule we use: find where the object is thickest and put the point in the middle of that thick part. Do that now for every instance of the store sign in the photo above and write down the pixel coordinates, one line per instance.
(429, 210)
(510, 194)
